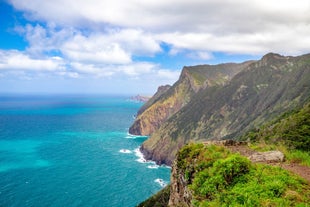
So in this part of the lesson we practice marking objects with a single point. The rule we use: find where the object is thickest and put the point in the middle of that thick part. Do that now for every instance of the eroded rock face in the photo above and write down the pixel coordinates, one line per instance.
(180, 194)
(169, 100)
(228, 142)
(267, 157)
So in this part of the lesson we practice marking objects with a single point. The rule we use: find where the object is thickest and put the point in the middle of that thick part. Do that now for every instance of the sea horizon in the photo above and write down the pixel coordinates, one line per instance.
(73, 150)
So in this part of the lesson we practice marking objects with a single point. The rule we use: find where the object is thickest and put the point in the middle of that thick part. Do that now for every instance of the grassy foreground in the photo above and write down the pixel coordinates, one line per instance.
(218, 177)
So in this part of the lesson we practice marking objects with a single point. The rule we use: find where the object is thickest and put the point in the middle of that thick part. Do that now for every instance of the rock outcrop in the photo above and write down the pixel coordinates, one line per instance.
(267, 157)
(180, 194)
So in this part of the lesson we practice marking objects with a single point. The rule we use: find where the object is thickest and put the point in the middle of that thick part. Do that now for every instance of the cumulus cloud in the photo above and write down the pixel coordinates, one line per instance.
(117, 39)
(86, 51)
(91, 69)
(15, 60)
(232, 26)
(115, 46)
(97, 54)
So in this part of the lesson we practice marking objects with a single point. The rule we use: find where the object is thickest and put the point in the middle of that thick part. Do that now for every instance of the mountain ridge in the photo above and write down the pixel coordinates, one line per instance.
(260, 91)
(169, 100)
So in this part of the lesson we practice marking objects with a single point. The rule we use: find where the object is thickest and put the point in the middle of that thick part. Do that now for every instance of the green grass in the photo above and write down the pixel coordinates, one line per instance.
(218, 177)
(160, 199)
(298, 156)
(291, 155)
(289, 133)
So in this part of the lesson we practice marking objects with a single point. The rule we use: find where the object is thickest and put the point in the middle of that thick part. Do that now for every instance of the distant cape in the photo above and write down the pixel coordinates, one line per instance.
(140, 98)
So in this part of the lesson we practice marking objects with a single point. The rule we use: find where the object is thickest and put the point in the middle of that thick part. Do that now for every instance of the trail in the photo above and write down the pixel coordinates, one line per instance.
(296, 168)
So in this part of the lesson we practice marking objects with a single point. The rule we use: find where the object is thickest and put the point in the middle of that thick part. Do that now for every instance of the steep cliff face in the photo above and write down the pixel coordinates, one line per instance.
(160, 109)
(166, 102)
(160, 91)
(180, 194)
(260, 92)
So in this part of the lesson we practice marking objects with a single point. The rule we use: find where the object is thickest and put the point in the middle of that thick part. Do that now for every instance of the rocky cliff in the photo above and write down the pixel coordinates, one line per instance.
(169, 100)
(212, 111)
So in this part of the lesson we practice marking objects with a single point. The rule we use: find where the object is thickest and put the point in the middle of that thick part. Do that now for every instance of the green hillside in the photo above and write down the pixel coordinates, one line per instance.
(217, 177)
(169, 100)
(259, 93)
(291, 129)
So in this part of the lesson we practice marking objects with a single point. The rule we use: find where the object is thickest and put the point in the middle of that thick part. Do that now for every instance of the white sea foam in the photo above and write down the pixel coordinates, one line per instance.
(161, 182)
(153, 166)
(126, 151)
(141, 159)
(131, 136)
(140, 156)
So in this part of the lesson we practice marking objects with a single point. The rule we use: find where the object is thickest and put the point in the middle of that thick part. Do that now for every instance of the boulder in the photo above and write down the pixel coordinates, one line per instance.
(269, 157)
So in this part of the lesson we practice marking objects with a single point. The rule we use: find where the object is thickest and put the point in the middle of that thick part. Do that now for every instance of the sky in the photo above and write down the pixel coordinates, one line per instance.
(134, 46)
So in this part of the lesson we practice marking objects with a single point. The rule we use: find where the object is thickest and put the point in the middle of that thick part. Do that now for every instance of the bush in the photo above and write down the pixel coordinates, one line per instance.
(220, 178)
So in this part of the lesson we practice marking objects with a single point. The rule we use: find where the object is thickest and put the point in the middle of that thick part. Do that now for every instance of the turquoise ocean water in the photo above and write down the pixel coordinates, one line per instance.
(73, 151)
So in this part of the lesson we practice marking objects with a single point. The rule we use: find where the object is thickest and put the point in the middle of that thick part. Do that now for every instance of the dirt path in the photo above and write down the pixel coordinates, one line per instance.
(302, 171)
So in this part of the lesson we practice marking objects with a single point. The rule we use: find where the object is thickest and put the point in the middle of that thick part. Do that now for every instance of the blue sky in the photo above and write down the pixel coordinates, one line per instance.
(132, 47)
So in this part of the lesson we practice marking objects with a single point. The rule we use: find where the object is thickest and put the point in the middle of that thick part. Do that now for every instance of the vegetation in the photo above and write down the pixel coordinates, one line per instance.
(290, 133)
(291, 129)
(160, 199)
(260, 92)
(218, 177)
(254, 99)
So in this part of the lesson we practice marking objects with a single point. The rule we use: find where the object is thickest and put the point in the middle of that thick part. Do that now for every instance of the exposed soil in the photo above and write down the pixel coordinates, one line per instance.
(302, 171)
(244, 150)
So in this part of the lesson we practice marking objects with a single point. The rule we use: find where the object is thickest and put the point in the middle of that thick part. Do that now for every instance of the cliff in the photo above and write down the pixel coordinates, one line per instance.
(216, 173)
(259, 93)
(169, 100)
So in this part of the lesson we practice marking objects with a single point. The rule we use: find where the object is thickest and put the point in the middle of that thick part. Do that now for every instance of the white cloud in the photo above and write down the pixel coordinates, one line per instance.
(15, 60)
(137, 69)
(91, 69)
(105, 40)
(112, 47)
(85, 50)
(115, 46)
(135, 41)
(200, 55)
(23, 66)
(230, 26)
(169, 75)
(68, 74)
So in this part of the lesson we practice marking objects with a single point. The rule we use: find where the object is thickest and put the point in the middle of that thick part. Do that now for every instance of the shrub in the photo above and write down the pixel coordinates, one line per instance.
(217, 177)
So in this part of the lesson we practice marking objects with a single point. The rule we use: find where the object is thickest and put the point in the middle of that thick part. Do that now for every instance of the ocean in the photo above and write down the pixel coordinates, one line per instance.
(71, 150)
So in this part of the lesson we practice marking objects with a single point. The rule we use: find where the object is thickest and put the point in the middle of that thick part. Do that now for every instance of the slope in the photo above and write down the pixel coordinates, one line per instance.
(259, 93)
(169, 100)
